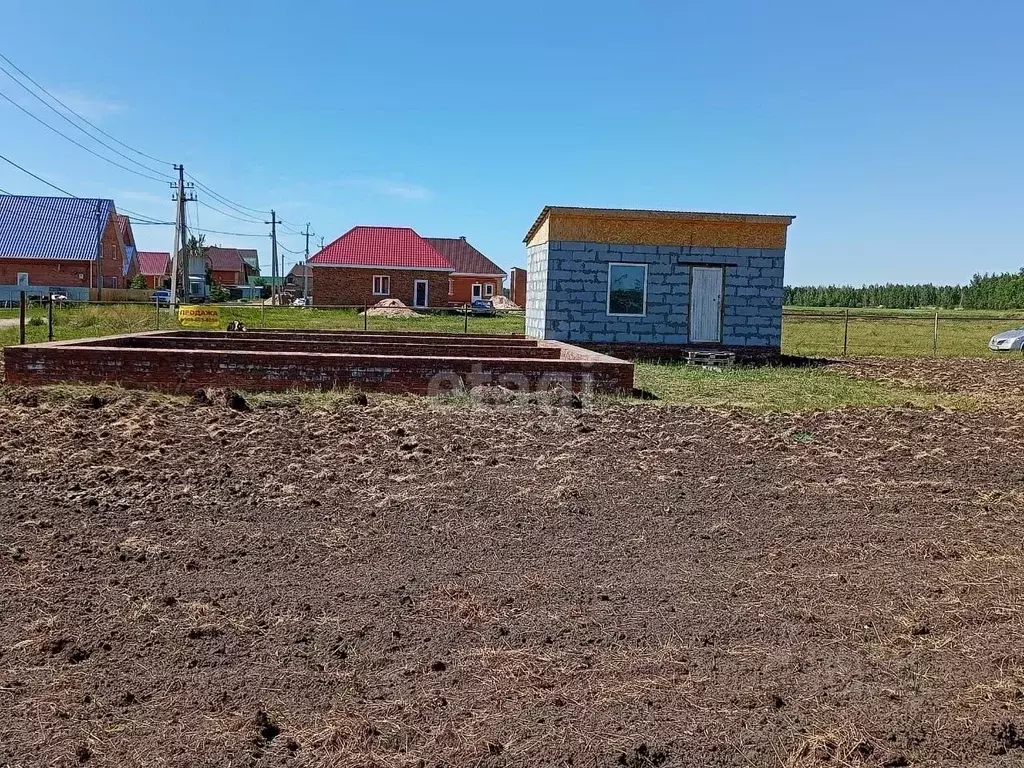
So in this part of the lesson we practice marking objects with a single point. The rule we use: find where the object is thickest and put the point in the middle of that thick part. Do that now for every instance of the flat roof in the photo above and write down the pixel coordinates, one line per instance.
(632, 214)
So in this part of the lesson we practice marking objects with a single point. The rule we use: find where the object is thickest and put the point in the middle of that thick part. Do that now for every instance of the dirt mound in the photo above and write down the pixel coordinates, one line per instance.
(390, 308)
(502, 302)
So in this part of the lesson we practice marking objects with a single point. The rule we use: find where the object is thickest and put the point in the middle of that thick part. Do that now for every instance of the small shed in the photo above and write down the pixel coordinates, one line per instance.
(640, 282)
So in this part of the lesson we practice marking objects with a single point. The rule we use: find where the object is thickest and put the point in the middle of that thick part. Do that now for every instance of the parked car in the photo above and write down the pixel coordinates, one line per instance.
(1007, 341)
(482, 307)
(300, 303)
(162, 298)
(58, 298)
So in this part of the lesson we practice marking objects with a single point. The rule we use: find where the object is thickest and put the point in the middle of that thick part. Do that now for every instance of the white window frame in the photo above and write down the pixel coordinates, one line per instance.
(476, 292)
(488, 290)
(608, 297)
(22, 279)
(451, 287)
(379, 283)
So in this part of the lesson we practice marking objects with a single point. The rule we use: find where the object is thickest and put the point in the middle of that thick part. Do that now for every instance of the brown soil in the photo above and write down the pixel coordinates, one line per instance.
(189, 584)
(503, 302)
(985, 377)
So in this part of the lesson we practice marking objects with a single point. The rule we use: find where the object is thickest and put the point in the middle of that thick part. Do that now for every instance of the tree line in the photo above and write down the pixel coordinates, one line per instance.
(985, 291)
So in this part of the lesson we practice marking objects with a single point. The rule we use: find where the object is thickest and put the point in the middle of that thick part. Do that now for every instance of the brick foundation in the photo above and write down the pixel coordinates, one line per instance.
(676, 352)
(398, 363)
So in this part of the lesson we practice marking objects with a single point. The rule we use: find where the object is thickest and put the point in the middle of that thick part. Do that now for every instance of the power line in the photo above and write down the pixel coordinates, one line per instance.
(78, 143)
(37, 178)
(233, 234)
(80, 117)
(248, 220)
(233, 205)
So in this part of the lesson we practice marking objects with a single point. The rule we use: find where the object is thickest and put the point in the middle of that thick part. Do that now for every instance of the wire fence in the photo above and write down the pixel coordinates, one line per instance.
(67, 321)
(824, 334)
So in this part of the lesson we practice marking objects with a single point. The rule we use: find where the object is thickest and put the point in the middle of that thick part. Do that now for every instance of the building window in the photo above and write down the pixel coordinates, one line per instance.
(381, 285)
(488, 289)
(476, 291)
(22, 279)
(451, 287)
(627, 289)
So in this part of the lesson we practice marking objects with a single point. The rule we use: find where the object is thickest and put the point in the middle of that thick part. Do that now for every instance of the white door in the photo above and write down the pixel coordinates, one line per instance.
(477, 291)
(706, 305)
(420, 296)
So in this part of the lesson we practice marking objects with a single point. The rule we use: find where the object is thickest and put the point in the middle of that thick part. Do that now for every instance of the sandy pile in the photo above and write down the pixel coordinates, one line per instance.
(503, 302)
(390, 308)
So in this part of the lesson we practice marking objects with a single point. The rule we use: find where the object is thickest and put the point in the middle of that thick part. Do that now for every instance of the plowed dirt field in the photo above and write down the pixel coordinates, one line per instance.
(413, 584)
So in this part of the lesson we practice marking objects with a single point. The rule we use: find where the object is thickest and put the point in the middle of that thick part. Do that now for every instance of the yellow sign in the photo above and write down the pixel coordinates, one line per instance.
(191, 316)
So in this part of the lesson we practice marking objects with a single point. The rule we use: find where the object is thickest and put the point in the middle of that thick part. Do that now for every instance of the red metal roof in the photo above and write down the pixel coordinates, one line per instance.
(392, 247)
(225, 259)
(154, 262)
(466, 259)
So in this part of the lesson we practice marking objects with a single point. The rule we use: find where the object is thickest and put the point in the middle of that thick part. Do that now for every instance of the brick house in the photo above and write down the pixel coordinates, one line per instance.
(155, 268)
(475, 276)
(130, 263)
(63, 245)
(368, 264)
(299, 280)
(638, 283)
(232, 266)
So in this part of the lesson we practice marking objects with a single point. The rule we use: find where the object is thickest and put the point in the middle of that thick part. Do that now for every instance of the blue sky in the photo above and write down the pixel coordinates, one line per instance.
(893, 131)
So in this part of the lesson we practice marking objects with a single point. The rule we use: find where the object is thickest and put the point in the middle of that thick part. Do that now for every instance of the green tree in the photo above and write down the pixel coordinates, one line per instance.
(138, 283)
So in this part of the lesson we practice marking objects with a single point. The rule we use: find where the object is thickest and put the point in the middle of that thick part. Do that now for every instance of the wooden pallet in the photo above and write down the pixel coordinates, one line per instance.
(716, 360)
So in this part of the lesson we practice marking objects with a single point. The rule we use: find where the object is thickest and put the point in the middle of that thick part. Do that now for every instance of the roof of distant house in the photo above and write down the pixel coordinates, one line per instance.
(154, 262)
(466, 259)
(384, 247)
(51, 227)
(299, 270)
(228, 259)
(124, 227)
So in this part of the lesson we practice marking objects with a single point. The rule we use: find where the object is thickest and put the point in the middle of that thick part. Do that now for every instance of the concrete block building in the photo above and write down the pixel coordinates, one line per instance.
(637, 282)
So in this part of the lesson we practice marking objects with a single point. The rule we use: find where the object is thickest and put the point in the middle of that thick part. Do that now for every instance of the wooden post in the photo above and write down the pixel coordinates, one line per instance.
(49, 319)
(263, 312)
(22, 309)
(366, 317)
(465, 327)
(157, 303)
(846, 331)
(935, 336)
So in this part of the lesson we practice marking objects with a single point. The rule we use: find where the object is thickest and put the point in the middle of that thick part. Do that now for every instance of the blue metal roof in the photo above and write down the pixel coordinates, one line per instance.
(51, 227)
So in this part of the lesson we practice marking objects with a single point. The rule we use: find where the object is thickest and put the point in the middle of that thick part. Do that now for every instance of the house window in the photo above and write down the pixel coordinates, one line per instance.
(476, 291)
(22, 279)
(381, 285)
(488, 289)
(627, 289)
(451, 286)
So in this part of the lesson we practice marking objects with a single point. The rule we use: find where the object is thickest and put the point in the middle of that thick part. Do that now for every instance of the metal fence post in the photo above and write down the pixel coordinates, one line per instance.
(846, 332)
(22, 309)
(263, 313)
(465, 311)
(935, 336)
(366, 317)
(49, 319)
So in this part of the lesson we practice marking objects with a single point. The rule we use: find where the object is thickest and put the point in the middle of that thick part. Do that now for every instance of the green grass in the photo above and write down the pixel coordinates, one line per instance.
(778, 389)
(908, 333)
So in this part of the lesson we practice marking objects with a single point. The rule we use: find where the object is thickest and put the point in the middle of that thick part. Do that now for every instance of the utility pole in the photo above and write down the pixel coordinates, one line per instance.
(182, 195)
(274, 289)
(305, 271)
(99, 256)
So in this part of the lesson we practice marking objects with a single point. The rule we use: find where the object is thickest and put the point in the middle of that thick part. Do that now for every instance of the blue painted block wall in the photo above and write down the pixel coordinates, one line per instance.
(567, 293)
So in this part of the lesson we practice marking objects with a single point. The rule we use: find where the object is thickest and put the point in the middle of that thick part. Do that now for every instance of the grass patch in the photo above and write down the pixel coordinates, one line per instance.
(779, 389)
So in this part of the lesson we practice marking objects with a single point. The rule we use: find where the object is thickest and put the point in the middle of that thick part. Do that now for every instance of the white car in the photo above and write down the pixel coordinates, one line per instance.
(300, 303)
(1007, 341)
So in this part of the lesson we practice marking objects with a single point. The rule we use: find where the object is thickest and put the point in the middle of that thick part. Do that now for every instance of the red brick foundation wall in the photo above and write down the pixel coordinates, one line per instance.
(462, 288)
(344, 286)
(184, 371)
